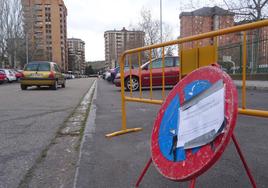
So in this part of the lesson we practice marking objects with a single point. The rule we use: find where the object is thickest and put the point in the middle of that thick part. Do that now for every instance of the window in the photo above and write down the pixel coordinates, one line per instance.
(168, 62)
(44, 67)
(177, 63)
(31, 67)
(56, 68)
(38, 66)
(157, 64)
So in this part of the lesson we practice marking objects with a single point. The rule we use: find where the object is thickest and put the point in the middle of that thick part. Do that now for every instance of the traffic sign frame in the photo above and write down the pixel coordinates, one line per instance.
(191, 163)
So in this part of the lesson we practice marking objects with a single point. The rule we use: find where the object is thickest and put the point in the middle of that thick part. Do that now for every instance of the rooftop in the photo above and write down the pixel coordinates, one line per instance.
(208, 11)
(122, 30)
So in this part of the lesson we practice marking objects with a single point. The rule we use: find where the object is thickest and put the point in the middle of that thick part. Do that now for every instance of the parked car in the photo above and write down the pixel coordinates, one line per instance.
(3, 77)
(42, 73)
(107, 75)
(171, 74)
(69, 76)
(116, 71)
(18, 74)
(10, 75)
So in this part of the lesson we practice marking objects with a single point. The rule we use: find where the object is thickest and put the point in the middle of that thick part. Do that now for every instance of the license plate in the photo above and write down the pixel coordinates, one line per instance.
(36, 75)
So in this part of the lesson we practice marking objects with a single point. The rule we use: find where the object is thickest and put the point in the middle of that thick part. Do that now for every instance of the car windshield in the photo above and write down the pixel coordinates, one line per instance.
(38, 67)
(31, 67)
(44, 67)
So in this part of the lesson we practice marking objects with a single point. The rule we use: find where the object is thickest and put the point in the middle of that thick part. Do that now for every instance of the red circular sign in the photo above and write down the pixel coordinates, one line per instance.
(190, 163)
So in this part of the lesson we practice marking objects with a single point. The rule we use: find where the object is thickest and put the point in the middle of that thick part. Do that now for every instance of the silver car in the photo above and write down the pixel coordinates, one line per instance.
(10, 75)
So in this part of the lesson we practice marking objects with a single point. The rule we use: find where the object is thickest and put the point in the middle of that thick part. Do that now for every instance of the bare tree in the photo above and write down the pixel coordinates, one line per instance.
(151, 27)
(250, 11)
(11, 32)
(3, 32)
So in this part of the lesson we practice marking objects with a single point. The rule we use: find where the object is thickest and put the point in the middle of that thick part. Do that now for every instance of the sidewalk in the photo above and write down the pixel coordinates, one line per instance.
(118, 161)
(253, 84)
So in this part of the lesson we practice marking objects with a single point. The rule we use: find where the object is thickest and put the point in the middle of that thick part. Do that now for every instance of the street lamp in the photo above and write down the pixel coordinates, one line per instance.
(27, 48)
(161, 21)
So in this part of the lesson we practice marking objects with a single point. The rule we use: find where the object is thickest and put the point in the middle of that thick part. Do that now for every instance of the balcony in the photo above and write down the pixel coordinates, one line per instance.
(38, 25)
(38, 36)
(39, 46)
(38, 19)
(38, 8)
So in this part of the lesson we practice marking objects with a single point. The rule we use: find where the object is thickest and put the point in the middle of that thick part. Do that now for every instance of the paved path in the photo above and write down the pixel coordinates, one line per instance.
(117, 162)
(29, 120)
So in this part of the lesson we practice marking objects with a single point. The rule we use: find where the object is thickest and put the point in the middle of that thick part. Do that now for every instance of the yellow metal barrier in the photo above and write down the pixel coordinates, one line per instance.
(203, 59)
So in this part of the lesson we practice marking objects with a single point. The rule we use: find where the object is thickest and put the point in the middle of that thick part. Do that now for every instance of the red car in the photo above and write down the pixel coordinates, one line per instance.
(171, 74)
(3, 77)
(17, 74)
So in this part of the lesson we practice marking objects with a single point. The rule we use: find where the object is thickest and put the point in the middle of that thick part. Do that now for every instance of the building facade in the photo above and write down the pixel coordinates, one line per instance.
(204, 20)
(230, 49)
(46, 29)
(76, 55)
(117, 41)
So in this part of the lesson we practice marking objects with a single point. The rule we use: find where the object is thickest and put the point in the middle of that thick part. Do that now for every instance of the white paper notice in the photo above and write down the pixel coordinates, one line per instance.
(201, 118)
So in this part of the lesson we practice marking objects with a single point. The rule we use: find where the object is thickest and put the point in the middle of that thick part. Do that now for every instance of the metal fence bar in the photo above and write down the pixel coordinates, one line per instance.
(124, 128)
(130, 75)
(216, 44)
(253, 112)
(244, 70)
(179, 42)
(151, 76)
(163, 73)
(180, 58)
(151, 101)
(122, 64)
(139, 55)
(210, 34)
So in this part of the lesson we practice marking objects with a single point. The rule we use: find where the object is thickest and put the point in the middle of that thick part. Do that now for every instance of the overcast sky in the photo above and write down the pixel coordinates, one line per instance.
(89, 19)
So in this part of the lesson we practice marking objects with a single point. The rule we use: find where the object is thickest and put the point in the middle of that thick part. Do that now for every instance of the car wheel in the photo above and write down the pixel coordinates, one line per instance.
(23, 87)
(54, 86)
(135, 83)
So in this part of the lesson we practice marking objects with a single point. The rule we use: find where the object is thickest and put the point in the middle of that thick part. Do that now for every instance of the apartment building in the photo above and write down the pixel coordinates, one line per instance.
(204, 20)
(76, 55)
(213, 18)
(117, 41)
(46, 28)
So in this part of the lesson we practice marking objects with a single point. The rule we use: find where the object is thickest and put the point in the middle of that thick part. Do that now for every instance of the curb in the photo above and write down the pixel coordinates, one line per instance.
(89, 129)
(251, 86)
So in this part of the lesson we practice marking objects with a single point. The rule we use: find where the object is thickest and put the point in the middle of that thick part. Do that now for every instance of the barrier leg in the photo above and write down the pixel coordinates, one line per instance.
(124, 128)
(143, 172)
(253, 183)
(192, 183)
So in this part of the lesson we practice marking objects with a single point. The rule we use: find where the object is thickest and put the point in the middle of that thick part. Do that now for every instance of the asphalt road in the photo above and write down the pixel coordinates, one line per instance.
(118, 161)
(29, 120)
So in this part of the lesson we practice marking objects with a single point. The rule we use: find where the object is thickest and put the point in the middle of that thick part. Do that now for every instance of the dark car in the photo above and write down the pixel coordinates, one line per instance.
(171, 71)
(114, 73)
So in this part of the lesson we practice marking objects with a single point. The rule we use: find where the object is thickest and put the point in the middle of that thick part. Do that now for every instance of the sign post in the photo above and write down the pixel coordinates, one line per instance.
(194, 126)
